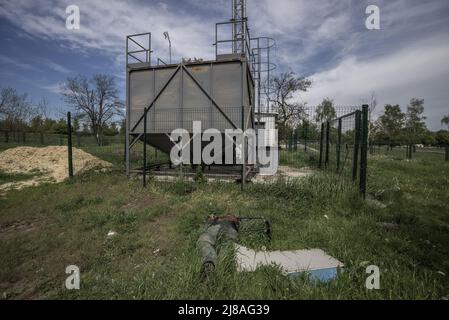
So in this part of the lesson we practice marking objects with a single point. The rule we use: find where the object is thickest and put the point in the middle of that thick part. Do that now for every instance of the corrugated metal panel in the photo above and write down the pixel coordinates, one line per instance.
(182, 101)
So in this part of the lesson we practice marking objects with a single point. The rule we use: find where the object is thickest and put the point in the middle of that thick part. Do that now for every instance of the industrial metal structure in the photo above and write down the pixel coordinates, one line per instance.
(230, 92)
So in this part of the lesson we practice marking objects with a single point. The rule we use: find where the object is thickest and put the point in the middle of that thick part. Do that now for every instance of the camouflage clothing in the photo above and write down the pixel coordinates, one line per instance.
(216, 234)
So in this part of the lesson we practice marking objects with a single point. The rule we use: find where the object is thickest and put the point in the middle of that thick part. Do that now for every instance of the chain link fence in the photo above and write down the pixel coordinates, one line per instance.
(338, 145)
(334, 140)
(399, 150)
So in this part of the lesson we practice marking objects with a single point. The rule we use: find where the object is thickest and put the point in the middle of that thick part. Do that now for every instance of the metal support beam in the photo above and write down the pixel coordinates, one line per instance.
(243, 154)
(69, 144)
(209, 97)
(127, 119)
(156, 98)
(339, 144)
(358, 119)
(364, 151)
(328, 130)
(144, 173)
(321, 146)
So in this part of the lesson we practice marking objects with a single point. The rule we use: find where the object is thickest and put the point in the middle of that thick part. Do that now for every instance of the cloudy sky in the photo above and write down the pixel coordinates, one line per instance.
(325, 40)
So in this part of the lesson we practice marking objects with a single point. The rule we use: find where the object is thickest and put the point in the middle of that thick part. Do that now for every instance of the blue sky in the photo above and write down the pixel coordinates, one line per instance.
(322, 39)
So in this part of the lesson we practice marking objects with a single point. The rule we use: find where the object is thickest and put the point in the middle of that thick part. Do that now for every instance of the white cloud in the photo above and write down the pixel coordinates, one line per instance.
(325, 38)
(104, 25)
(15, 62)
(54, 66)
(53, 88)
(420, 70)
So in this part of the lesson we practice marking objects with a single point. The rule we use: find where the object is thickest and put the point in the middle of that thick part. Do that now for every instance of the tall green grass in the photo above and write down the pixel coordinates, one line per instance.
(70, 222)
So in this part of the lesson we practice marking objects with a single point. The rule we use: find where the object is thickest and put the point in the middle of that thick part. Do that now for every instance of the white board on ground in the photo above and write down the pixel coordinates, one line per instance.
(316, 262)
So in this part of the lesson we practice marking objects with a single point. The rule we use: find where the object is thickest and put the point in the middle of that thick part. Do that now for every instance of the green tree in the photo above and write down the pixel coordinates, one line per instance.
(445, 120)
(442, 138)
(111, 130)
(428, 138)
(37, 124)
(76, 124)
(59, 126)
(415, 125)
(326, 111)
(389, 127)
(48, 125)
(307, 130)
(122, 126)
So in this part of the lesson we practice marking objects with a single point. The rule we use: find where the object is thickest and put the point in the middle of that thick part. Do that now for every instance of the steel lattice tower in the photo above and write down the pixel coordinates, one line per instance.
(239, 26)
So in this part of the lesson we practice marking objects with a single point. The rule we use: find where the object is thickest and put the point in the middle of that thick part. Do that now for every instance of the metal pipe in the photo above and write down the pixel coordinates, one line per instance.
(328, 129)
(145, 150)
(167, 37)
(128, 115)
(243, 127)
(358, 119)
(69, 144)
(339, 144)
(364, 151)
(321, 145)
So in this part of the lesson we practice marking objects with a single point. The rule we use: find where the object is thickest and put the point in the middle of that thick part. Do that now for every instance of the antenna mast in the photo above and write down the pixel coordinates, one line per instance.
(239, 26)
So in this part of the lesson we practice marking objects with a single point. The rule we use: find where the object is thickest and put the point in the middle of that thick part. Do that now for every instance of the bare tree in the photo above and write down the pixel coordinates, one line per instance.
(95, 100)
(15, 108)
(41, 108)
(372, 104)
(372, 107)
(326, 111)
(282, 99)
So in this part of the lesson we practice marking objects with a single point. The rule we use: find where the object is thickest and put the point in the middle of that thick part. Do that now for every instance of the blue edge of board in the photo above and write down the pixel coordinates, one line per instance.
(322, 275)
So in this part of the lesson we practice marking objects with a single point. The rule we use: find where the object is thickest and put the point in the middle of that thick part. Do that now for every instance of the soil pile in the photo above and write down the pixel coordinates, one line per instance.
(48, 164)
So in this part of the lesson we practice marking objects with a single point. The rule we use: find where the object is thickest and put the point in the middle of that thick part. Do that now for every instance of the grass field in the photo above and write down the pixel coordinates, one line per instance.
(403, 228)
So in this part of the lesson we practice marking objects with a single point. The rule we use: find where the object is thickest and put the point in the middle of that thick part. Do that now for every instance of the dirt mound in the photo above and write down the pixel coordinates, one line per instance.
(50, 164)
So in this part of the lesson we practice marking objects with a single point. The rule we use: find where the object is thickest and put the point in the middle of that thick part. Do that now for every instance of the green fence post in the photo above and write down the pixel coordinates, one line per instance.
(144, 175)
(295, 140)
(355, 160)
(24, 137)
(78, 140)
(69, 144)
(364, 151)
(124, 153)
(6, 136)
(243, 150)
(42, 138)
(328, 131)
(320, 165)
(447, 153)
(409, 151)
(305, 137)
(340, 124)
(290, 143)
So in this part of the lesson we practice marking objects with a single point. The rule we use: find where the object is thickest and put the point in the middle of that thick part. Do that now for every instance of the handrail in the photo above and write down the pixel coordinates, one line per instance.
(146, 50)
